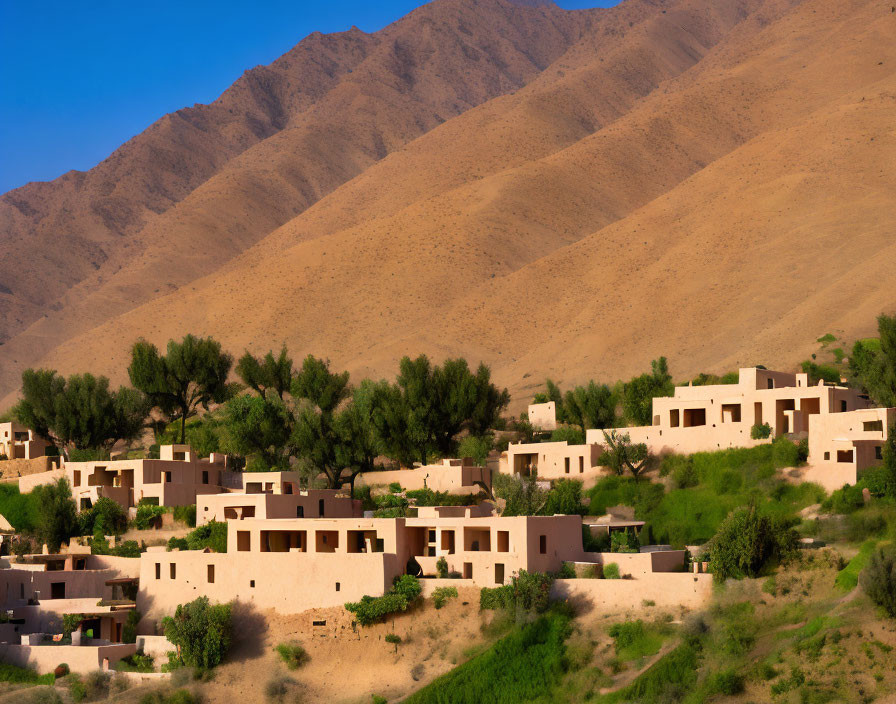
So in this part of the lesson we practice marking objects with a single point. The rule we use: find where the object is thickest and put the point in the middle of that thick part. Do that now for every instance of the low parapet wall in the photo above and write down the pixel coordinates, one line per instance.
(663, 590)
(79, 658)
(28, 482)
(12, 469)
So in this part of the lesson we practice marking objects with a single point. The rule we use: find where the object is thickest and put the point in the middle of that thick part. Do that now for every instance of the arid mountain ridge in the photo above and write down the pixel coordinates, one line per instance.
(564, 193)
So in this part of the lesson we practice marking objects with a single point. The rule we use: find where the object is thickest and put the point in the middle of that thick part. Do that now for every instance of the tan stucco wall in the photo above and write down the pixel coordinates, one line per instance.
(551, 459)
(616, 596)
(45, 658)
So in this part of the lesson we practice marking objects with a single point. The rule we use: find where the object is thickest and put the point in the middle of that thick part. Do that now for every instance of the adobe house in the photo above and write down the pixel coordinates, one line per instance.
(543, 416)
(454, 476)
(175, 479)
(552, 460)
(40, 589)
(714, 417)
(291, 503)
(20, 443)
(843, 445)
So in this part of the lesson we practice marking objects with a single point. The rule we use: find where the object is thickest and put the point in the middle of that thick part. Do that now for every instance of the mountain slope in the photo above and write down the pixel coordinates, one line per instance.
(709, 181)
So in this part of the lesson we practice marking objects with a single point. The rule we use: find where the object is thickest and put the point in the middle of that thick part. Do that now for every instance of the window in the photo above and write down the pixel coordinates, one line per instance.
(503, 541)
(566, 464)
(581, 465)
(844, 455)
(468, 570)
(673, 418)
(827, 455)
(499, 573)
(319, 623)
(320, 508)
(338, 586)
(431, 536)
(300, 511)
(77, 481)
(158, 570)
(57, 590)
(878, 452)
(694, 417)
(252, 584)
(242, 541)
(211, 574)
(843, 406)
(731, 413)
(205, 476)
(167, 477)
(771, 383)
(543, 544)
(173, 570)
(871, 426)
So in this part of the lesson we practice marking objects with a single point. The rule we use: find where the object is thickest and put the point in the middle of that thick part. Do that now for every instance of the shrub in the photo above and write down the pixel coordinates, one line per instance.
(442, 567)
(76, 689)
(761, 431)
(531, 591)
(476, 447)
(441, 594)
(394, 488)
(494, 598)
(129, 630)
(727, 682)
(61, 670)
(185, 514)
(177, 544)
(277, 688)
(633, 640)
(96, 684)
(22, 675)
(106, 517)
(748, 541)
(573, 436)
(201, 631)
(567, 571)
(148, 516)
(565, 497)
(292, 654)
(624, 541)
(371, 609)
(138, 662)
(611, 571)
(878, 579)
(394, 640)
(785, 453)
(212, 535)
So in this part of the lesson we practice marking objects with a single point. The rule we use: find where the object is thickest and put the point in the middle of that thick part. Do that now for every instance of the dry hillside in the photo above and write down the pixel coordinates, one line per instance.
(557, 193)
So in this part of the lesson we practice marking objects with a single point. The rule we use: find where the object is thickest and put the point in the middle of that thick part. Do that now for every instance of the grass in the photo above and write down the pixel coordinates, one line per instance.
(848, 578)
(707, 487)
(527, 665)
(19, 509)
(22, 675)
(668, 679)
(634, 640)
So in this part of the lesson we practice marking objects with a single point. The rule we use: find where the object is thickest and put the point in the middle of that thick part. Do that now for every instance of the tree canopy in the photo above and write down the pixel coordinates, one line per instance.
(266, 374)
(192, 374)
(80, 412)
(873, 363)
(638, 394)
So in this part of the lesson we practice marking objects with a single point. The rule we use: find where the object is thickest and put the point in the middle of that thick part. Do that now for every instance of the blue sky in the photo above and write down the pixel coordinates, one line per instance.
(77, 79)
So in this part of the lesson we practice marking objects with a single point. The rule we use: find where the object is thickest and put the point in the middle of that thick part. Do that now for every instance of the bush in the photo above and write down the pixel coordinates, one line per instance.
(495, 598)
(442, 567)
(96, 684)
(185, 514)
(19, 509)
(177, 544)
(573, 436)
(277, 688)
(292, 654)
(441, 594)
(878, 579)
(201, 631)
(761, 432)
(371, 609)
(565, 497)
(611, 571)
(748, 541)
(394, 639)
(106, 517)
(138, 662)
(212, 535)
(633, 640)
(624, 541)
(476, 448)
(727, 682)
(77, 690)
(129, 630)
(148, 516)
(22, 675)
(394, 488)
(61, 670)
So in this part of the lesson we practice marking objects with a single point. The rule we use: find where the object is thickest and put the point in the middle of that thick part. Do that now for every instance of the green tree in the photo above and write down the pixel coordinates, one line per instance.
(319, 385)
(191, 374)
(476, 447)
(564, 497)
(57, 518)
(266, 374)
(747, 541)
(80, 412)
(873, 363)
(201, 632)
(260, 427)
(553, 393)
(820, 372)
(522, 495)
(591, 406)
(622, 454)
(638, 394)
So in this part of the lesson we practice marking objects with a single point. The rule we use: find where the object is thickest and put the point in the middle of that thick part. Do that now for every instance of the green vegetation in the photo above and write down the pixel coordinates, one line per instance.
(848, 577)
(57, 520)
(371, 609)
(201, 632)
(826, 339)
(638, 394)
(212, 535)
(526, 665)
(873, 363)
(748, 542)
(761, 431)
(138, 662)
(148, 516)
(292, 654)
(440, 595)
(821, 372)
(666, 680)
(633, 639)
(21, 510)
(20, 675)
(105, 517)
(527, 593)
(878, 579)
(622, 454)
(394, 639)
(611, 571)
(477, 447)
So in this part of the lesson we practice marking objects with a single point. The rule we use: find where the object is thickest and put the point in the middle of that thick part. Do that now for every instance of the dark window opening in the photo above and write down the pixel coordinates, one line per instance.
(211, 574)
(173, 571)
(158, 570)
(543, 544)
(300, 511)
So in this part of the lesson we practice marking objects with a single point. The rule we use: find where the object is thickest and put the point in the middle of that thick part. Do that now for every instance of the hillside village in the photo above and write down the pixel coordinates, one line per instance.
(156, 543)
